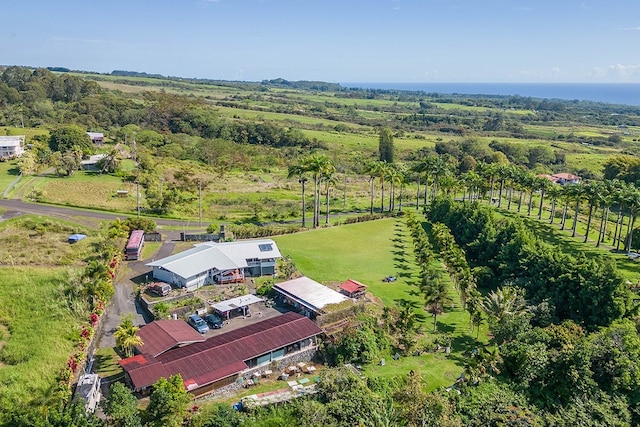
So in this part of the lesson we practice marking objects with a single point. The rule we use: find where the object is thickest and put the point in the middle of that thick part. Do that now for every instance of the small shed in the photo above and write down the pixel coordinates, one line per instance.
(353, 289)
(74, 238)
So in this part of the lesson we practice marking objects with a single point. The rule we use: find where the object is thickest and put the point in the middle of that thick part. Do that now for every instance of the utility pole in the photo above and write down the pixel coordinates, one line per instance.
(344, 194)
(199, 202)
(138, 196)
(135, 161)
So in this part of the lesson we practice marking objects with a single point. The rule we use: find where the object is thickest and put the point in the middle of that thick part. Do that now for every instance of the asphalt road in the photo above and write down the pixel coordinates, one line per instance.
(16, 207)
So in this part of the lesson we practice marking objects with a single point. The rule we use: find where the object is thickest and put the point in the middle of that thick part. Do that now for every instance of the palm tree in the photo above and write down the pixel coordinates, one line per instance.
(299, 171)
(425, 167)
(618, 197)
(126, 336)
(440, 167)
(544, 185)
(633, 202)
(316, 164)
(554, 191)
(593, 194)
(565, 194)
(329, 179)
(608, 188)
(436, 297)
(503, 173)
(373, 170)
(576, 192)
(487, 172)
(503, 302)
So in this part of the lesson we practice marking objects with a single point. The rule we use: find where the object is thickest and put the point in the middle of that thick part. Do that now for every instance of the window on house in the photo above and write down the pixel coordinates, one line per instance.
(265, 247)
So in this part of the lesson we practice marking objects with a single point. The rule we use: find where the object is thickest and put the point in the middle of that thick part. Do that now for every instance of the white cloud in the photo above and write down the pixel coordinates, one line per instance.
(618, 72)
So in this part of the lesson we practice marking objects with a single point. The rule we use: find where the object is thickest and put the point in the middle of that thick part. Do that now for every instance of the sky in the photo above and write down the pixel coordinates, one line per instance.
(409, 41)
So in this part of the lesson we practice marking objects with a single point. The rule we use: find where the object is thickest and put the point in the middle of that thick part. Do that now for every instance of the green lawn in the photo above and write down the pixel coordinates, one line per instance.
(368, 252)
(8, 173)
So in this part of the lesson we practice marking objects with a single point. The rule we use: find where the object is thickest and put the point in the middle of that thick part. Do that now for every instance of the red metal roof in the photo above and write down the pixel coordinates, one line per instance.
(352, 286)
(223, 355)
(162, 335)
(565, 176)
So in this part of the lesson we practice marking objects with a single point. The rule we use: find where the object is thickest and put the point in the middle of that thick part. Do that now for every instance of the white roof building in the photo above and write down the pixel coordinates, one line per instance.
(12, 146)
(206, 262)
(308, 295)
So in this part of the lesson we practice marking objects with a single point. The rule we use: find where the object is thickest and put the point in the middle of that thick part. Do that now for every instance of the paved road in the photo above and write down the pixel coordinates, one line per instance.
(16, 207)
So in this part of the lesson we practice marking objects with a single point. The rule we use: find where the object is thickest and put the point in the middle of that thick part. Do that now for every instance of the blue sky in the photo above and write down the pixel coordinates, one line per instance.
(332, 40)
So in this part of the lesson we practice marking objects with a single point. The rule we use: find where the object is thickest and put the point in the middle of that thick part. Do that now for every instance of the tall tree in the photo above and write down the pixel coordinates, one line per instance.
(70, 138)
(316, 164)
(436, 297)
(328, 178)
(121, 407)
(299, 170)
(168, 403)
(385, 145)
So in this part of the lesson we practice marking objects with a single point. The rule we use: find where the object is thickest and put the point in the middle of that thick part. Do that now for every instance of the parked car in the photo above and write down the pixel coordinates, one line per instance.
(214, 321)
(161, 289)
(198, 324)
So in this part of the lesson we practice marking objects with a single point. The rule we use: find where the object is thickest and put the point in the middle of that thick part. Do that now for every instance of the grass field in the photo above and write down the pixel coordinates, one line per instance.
(20, 235)
(83, 189)
(36, 339)
(8, 173)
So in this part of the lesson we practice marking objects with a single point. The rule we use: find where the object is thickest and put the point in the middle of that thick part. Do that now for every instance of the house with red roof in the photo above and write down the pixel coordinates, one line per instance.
(222, 360)
(566, 178)
(353, 288)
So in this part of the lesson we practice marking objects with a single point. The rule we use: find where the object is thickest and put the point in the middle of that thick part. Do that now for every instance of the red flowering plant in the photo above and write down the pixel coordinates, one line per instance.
(94, 319)
(72, 363)
(85, 334)
(98, 309)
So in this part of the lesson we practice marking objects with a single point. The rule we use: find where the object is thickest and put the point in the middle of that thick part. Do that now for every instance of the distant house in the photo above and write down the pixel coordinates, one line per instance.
(566, 178)
(353, 288)
(223, 360)
(210, 263)
(307, 296)
(91, 164)
(561, 178)
(11, 146)
(96, 137)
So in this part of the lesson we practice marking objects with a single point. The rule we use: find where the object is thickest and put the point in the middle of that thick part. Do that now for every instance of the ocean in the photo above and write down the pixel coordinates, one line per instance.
(612, 93)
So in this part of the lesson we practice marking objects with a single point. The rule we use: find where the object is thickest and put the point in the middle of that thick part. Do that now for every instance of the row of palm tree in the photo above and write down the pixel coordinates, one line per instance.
(322, 171)
(507, 186)
(435, 290)
(512, 183)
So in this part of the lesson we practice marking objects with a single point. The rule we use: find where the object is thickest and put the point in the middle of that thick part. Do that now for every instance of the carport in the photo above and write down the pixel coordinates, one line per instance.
(238, 303)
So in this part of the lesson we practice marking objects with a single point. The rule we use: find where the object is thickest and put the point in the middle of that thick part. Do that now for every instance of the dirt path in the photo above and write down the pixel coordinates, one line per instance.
(124, 301)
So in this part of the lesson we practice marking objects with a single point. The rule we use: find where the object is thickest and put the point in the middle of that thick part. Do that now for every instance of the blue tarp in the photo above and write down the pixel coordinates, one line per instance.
(75, 238)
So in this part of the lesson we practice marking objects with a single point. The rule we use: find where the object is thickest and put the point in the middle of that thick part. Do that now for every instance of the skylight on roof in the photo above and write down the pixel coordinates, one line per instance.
(265, 247)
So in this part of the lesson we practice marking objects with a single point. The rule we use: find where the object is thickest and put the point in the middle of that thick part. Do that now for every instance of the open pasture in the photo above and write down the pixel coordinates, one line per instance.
(89, 190)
